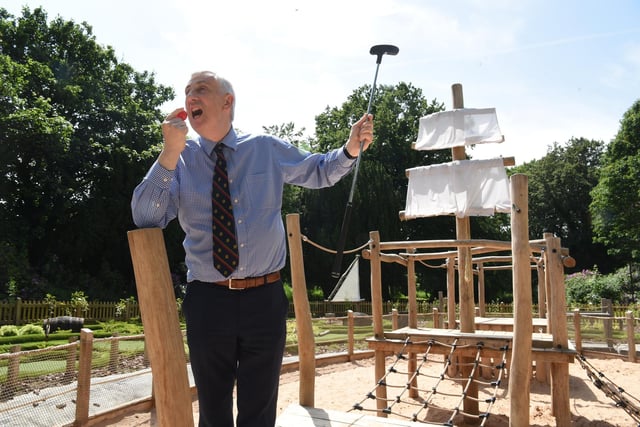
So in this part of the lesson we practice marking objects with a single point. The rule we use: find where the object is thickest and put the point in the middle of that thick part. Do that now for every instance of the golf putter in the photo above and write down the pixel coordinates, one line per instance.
(379, 50)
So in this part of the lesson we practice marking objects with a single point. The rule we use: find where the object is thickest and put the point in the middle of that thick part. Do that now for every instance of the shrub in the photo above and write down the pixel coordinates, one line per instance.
(315, 294)
(9, 331)
(589, 287)
(31, 330)
(288, 291)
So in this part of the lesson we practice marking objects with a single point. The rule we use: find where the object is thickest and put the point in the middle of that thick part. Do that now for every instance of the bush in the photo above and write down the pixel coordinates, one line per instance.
(315, 294)
(9, 331)
(31, 330)
(589, 287)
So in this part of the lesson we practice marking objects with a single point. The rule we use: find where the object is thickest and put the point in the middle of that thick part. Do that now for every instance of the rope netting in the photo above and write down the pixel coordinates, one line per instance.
(426, 396)
(622, 399)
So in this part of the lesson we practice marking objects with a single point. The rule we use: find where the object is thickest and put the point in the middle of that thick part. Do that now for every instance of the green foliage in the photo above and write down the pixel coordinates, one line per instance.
(121, 328)
(292, 333)
(79, 129)
(52, 302)
(31, 330)
(616, 198)
(9, 331)
(315, 294)
(559, 187)
(590, 286)
(124, 304)
(78, 303)
(288, 291)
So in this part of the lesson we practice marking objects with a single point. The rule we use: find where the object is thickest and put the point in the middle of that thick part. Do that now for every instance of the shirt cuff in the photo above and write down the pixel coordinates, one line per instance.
(160, 176)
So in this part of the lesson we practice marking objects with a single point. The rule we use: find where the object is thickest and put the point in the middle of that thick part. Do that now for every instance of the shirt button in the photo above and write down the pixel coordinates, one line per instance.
(165, 179)
(235, 200)
(242, 245)
(239, 221)
(157, 205)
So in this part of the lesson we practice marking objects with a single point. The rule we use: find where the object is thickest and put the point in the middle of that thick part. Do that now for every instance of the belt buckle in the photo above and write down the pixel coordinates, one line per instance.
(230, 286)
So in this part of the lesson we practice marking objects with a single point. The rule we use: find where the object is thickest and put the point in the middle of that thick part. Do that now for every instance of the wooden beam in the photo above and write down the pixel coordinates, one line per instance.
(519, 375)
(304, 326)
(164, 341)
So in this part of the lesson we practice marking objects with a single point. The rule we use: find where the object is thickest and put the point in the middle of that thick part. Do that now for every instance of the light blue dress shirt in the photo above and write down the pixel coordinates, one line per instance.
(258, 167)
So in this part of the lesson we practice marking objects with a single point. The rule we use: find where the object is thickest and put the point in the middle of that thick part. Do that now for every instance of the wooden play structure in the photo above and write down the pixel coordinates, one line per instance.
(544, 350)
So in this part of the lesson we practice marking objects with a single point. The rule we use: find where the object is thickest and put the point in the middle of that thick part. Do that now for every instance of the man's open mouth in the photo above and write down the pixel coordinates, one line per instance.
(195, 113)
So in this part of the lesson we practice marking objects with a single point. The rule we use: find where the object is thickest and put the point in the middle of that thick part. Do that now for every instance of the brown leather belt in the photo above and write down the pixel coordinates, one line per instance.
(250, 282)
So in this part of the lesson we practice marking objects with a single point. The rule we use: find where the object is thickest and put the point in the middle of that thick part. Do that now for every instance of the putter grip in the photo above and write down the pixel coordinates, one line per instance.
(337, 264)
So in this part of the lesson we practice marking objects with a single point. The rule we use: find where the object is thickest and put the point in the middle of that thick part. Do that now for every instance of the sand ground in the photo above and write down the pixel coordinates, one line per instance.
(339, 386)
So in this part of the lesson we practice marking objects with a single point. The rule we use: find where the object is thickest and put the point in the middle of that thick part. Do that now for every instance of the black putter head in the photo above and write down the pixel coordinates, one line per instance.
(382, 49)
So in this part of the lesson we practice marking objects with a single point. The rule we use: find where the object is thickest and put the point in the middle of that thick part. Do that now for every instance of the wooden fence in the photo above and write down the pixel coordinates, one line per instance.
(21, 312)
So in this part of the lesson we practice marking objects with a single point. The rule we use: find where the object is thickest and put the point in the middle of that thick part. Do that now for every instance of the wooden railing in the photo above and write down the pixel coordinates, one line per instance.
(21, 312)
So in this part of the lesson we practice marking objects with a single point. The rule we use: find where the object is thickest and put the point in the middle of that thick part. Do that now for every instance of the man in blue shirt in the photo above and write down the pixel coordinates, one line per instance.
(236, 325)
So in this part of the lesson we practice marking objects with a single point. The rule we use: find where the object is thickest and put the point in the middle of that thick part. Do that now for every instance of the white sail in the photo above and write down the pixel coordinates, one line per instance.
(348, 287)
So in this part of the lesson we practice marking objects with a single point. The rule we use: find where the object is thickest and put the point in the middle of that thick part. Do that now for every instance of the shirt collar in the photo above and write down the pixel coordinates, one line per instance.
(230, 140)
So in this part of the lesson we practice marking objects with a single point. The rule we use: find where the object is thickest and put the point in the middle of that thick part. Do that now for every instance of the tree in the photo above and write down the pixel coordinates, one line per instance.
(76, 135)
(559, 187)
(616, 198)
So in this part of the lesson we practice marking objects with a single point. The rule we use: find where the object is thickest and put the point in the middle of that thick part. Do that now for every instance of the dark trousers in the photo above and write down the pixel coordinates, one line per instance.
(236, 338)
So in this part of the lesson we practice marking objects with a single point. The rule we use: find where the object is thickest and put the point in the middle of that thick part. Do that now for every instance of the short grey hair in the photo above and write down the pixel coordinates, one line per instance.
(224, 86)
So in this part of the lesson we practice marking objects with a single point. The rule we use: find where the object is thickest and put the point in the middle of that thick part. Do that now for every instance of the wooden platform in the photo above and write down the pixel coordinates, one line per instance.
(505, 324)
(542, 343)
(300, 416)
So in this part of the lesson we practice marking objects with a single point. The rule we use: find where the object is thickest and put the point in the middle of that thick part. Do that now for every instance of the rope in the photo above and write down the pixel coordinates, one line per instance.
(427, 395)
(622, 399)
(431, 265)
(331, 251)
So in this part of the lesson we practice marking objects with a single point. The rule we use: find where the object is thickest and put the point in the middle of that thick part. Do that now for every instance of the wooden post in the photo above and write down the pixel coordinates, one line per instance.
(18, 311)
(350, 333)
(519, 376)
(577, 330)
(452, 370)
(436, 318)
(13, 374)
(481, 290)
(395, 323)
(376, 309)
(463, 232)
(159, 314)
(412, 320)
(376, 284)
(631, 338)
(304, 326)
(607, 307)
(465, 274)
(113, 352)
(542, 290)
(84, 377)
(71, 360)
(451, 293)
(560, 404)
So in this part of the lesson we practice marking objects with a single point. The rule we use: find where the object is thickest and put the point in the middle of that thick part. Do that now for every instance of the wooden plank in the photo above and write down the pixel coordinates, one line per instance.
(542, 343)
(301, 416)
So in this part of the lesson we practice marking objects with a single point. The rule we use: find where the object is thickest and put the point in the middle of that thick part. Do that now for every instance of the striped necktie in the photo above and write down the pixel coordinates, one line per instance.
(225, 246)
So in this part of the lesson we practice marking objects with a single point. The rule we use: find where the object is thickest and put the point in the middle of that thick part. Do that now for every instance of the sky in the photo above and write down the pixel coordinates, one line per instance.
(552, 69)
